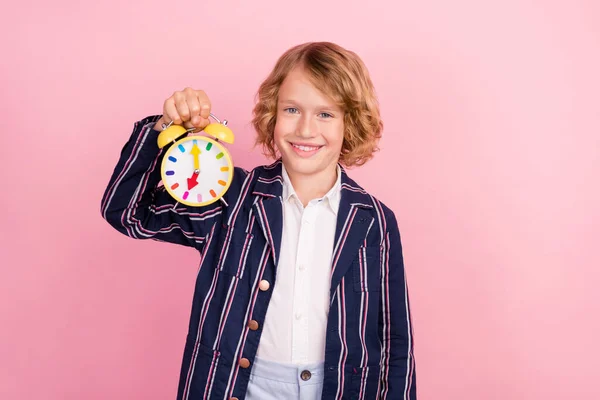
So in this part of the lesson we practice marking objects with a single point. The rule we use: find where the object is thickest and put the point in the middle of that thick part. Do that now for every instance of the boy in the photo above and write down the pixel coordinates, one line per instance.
(301, 291)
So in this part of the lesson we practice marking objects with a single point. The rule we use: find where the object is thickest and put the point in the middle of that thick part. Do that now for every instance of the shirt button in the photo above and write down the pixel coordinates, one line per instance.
(305, 375)
(301, 267)
(253, 325)
(264, 285)
(298, 315)
(244, 363)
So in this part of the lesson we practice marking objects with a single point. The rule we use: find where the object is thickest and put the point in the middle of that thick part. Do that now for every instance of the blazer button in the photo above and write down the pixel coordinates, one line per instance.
(253, 325)
(244, 363)
(264, 285)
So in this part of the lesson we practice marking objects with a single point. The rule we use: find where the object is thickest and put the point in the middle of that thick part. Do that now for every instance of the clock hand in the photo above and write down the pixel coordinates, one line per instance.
(193, 181)
(195, 151)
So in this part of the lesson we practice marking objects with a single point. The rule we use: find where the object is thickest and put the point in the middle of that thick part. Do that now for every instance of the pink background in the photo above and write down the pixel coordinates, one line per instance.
(490, 158)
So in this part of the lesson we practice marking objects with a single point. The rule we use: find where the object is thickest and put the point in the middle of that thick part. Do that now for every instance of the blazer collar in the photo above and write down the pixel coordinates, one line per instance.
(270, 184)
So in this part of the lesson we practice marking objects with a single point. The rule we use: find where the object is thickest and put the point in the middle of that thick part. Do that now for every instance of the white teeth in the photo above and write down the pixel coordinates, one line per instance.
(305, 148)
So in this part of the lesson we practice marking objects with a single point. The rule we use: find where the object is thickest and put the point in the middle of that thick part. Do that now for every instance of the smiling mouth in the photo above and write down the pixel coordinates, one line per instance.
(305, 148)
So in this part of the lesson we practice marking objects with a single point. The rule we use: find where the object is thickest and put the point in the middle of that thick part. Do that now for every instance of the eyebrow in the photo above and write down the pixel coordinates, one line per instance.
(332, 107)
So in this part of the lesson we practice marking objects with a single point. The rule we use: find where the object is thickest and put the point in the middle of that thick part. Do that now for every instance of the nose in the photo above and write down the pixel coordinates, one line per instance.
(307, 127)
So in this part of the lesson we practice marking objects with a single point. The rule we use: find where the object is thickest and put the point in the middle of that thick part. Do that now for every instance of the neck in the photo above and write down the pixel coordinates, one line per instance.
(313, 186)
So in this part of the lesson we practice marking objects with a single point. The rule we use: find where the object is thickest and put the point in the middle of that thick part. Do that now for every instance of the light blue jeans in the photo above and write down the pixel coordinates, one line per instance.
(274, 381)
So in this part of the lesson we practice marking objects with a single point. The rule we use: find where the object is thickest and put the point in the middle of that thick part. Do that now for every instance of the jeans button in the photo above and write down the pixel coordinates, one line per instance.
(305, 375)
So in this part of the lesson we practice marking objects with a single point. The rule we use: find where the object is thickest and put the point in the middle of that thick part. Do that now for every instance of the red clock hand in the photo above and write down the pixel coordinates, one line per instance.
(193, 181)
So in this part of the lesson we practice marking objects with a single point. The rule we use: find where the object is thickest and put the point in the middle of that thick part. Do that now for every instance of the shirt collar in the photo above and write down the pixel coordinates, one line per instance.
(332, 197)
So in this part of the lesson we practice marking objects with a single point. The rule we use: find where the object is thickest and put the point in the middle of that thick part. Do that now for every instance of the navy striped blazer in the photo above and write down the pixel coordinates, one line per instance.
(369, 342)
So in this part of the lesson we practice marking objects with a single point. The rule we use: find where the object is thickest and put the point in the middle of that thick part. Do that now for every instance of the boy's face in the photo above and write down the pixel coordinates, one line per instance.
(309, 130)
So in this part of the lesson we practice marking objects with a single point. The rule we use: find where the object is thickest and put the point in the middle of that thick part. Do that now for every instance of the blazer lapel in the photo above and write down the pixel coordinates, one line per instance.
(353, 223)
(268, 207)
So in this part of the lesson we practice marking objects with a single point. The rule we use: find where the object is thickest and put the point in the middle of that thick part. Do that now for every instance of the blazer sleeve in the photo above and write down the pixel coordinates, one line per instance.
(398, 377)
(135, 205)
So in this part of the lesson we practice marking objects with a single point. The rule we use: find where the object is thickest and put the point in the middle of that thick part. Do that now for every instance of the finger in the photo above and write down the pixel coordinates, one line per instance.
(170, 112)
(205, 104)
(182, 107)
(194, 107)
(202, 121)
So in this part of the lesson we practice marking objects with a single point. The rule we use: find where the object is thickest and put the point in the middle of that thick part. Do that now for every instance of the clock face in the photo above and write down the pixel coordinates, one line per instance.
(197, 171)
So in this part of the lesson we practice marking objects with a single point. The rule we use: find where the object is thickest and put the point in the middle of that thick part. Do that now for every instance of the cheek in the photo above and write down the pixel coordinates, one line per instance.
(335, 136)
(277, 132)
(283, 127)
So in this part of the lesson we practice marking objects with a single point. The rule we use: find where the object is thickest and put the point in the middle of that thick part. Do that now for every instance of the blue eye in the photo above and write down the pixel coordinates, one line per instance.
(326, 115)
(291, 110)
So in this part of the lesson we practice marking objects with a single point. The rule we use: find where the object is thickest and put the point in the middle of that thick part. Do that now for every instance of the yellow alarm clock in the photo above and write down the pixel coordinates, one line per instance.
(196, 170)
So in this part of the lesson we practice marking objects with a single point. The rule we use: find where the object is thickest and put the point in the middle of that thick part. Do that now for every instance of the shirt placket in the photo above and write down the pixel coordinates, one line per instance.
(302, 281)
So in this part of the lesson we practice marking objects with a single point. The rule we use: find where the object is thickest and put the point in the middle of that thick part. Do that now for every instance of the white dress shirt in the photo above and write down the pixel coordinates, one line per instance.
(296, 322)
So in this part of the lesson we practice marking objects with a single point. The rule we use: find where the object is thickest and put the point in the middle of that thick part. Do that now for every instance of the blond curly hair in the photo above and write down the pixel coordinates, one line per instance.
(341, 75)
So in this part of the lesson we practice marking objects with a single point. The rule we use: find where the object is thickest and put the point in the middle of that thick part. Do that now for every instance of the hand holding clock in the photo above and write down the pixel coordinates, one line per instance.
(188, 107)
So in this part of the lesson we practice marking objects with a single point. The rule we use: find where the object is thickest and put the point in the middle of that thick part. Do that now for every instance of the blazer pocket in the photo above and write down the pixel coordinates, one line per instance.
(365, 382)
(234, 250)
(367, 269)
